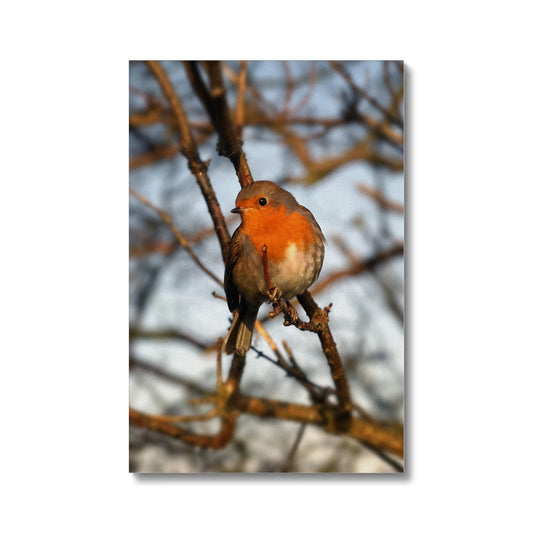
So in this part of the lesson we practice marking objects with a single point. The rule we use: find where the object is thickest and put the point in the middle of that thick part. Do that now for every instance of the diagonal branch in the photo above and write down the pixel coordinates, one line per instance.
(173, 334)
(216, 106)
(292, 452)
(320, 316)
(219, 440)
(239, 113)
(360, 266)
(361, 92)
(190, 151)
(177, 233)
(380, 198)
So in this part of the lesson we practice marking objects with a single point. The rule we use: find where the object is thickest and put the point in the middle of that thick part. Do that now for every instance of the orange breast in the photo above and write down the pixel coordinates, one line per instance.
(277, 229)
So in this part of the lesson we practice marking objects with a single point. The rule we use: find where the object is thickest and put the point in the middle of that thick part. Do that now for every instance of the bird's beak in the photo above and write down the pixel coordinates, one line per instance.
(239, 210)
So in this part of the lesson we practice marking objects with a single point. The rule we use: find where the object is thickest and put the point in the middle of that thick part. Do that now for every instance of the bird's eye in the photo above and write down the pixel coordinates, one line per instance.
(263, 201)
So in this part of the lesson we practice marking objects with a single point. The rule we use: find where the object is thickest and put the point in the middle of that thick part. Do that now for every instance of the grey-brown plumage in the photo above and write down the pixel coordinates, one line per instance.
(271, 217)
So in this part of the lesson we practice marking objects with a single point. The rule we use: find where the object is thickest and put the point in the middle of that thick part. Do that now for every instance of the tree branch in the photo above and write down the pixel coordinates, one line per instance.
(216, 106)
(219, 440)
(320, 316)
(190, 151)
(361, 92)
(177, 233)
(380, 198)
(383, 436)
(359, 267)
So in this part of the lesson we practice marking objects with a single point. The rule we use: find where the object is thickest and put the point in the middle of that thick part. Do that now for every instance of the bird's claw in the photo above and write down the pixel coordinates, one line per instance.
(274, 294)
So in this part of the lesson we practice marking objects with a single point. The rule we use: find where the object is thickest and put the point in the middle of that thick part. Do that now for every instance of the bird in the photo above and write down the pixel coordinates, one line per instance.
(278, 240)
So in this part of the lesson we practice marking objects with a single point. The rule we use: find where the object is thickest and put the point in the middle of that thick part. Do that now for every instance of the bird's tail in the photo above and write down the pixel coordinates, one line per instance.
(239, 337)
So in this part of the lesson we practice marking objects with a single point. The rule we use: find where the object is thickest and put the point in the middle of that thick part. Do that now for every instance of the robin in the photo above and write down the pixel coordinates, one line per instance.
(278, 240)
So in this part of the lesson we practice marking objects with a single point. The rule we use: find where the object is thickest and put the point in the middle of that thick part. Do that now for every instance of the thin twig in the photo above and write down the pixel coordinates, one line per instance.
(219, 364)
(380, 199)
(324, 392)
(369, 264)
(292, 452)
(384, 457)
(358, 90)
(167, 247)
(219, 296)
(265, 268)
(156, 154)
(165, 334)
(264, 333)
(219, 440)
(289, 89)
(190, 385)
(305, 98)
(179, 236)
(317, 393)
(239, 114)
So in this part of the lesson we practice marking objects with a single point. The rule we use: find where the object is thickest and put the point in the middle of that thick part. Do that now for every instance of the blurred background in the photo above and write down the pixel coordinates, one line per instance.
(332, 134)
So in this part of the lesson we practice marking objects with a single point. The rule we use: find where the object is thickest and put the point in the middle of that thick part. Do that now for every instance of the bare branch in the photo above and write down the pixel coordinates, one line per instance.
(219, 440)
(386, 437)
(320, 316)
(239, 116)
(380, 199)
(177, 233)
(190, 151)
(165, 334)
(214, 102)
(358, 90)
(292, 453)
(359, 267)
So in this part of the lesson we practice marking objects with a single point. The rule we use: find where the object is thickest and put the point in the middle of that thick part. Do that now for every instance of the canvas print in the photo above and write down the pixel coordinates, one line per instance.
(266, 267)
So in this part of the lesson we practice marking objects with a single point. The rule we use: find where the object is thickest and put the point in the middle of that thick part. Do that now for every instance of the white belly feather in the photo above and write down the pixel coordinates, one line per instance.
(293, 275)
